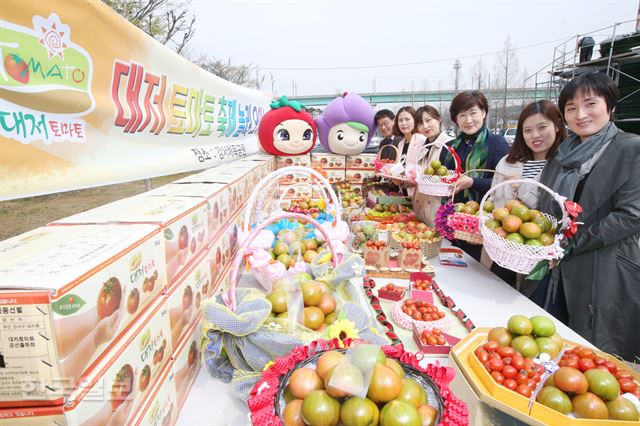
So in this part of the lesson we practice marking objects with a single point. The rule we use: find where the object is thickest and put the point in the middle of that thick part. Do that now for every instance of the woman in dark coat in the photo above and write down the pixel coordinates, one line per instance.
(598, 166)
(477, 148)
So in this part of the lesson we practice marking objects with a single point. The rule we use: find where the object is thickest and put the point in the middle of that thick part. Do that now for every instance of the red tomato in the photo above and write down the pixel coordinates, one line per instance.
(506, 351)
(507, 360)
(528, 363)
(417, 316)
(570, 356)
(482, 355)
(509, 372)
(497, 376)
(491, 346)
(586, 364)
(495, 355)
(531, 383)
(611, 366)
(627, 385)
(621, 374)
(585, 353)
(496, 364)
(510, 384)
(517, 361)
(599, 360)
(522, 378)
(531, 374)
(573, 363)
(524, 390)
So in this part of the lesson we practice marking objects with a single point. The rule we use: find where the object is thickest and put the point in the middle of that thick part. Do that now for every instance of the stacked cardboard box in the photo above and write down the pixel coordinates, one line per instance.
(101, 311)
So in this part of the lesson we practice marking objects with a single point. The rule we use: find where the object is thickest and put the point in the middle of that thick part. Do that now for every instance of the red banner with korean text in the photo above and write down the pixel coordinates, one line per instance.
(88, 99)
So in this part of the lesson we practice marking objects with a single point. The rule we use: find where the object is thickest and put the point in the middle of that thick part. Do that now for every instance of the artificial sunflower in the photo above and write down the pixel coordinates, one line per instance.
(342, 329)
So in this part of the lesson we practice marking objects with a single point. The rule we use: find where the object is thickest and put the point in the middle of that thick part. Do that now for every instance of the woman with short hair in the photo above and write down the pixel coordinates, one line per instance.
(598, 167)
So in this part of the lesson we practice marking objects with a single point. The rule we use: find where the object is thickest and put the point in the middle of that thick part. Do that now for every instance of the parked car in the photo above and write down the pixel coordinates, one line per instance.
(510, 135)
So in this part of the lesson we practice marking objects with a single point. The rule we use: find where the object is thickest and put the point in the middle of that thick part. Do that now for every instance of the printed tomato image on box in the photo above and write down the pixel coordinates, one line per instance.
(361, 161)
(161, 406)
(187, 361)
(118, 385)
(334, 176)
(70, 292)
(185, 296)
(217, 260)
(216, 195)
(357, 175)
(328, 161)
(294, 178)
(299, 190)
(294, 160)
(33, 416)
(183, 221)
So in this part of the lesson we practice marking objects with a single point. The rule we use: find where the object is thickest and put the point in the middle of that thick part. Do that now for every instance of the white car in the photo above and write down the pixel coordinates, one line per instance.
(510, 135)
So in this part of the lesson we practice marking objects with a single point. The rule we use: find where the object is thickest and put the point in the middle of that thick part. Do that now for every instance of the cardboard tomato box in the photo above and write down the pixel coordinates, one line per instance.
(294, 160)
(33, 416)
(300, 190)
(186, 293)
(361, 161)
(187, 361)
(119, 384)
(161, 406)
(183, 221)
(334, 176)
(67, 294)
(358, 175)
(328, 161)
(294, 178)
(217, 197)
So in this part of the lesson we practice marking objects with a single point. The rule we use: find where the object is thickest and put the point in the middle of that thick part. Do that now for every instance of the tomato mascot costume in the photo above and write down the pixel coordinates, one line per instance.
(287, 129)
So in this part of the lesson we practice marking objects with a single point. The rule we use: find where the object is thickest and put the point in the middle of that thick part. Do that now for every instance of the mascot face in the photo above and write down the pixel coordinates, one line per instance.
(293, 136)
(347, 140)
(287, 129)
(346, 125)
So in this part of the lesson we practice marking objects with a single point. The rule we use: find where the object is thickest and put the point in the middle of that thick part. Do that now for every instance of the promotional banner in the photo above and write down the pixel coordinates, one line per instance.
(88, 99)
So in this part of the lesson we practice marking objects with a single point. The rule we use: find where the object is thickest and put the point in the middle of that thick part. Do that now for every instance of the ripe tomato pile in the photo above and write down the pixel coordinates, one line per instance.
(393, 288)
(377, 245)
(585, 359)
(422, 285)
(421, 311)
(432, 337)
(509, 368)
(411, 245)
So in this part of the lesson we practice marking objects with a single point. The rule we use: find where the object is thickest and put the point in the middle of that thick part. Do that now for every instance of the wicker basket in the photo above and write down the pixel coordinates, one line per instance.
(439, 186)
(379, 163)
(431, 389)
(519, 257)
(431, 248)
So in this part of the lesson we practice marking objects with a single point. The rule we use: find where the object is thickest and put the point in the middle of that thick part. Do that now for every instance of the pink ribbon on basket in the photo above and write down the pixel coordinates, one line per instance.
(338, 233)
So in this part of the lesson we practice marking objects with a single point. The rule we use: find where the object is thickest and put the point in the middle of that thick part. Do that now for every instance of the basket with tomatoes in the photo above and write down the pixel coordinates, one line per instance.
(530, 369)
(410, 313)
(362, 385)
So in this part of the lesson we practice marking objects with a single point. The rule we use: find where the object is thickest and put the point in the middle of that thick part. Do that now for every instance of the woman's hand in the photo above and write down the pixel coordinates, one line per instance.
(465, 182)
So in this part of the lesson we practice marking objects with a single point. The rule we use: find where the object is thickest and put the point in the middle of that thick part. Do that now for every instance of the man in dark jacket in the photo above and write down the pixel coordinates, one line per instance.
(586, 48)
(384, 120)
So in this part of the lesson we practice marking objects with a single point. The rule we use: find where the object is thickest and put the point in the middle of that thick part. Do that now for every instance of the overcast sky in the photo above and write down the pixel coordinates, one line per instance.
(305, 41)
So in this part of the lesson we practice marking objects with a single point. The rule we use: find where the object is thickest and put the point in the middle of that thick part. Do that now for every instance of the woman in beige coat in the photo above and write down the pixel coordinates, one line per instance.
(429, 124)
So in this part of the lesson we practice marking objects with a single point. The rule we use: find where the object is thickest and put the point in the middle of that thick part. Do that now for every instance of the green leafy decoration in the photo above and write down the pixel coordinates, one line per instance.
(283, 102)
(68, 304)
(539, 271)
(168, 235)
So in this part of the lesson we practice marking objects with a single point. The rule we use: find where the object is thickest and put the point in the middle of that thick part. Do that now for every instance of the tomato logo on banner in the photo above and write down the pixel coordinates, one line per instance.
(45, 83)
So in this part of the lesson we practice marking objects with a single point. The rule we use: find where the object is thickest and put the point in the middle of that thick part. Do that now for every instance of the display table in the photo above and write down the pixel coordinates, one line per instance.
(484, 297)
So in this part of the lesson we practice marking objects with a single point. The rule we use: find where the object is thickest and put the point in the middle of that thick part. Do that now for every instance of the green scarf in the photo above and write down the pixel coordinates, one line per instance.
(476, 159)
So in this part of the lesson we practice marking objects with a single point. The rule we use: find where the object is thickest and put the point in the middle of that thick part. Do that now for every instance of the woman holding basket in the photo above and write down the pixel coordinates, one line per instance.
(477, 148)
(408, 138)
(540, 131)
(598, 167)
(430, 125)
